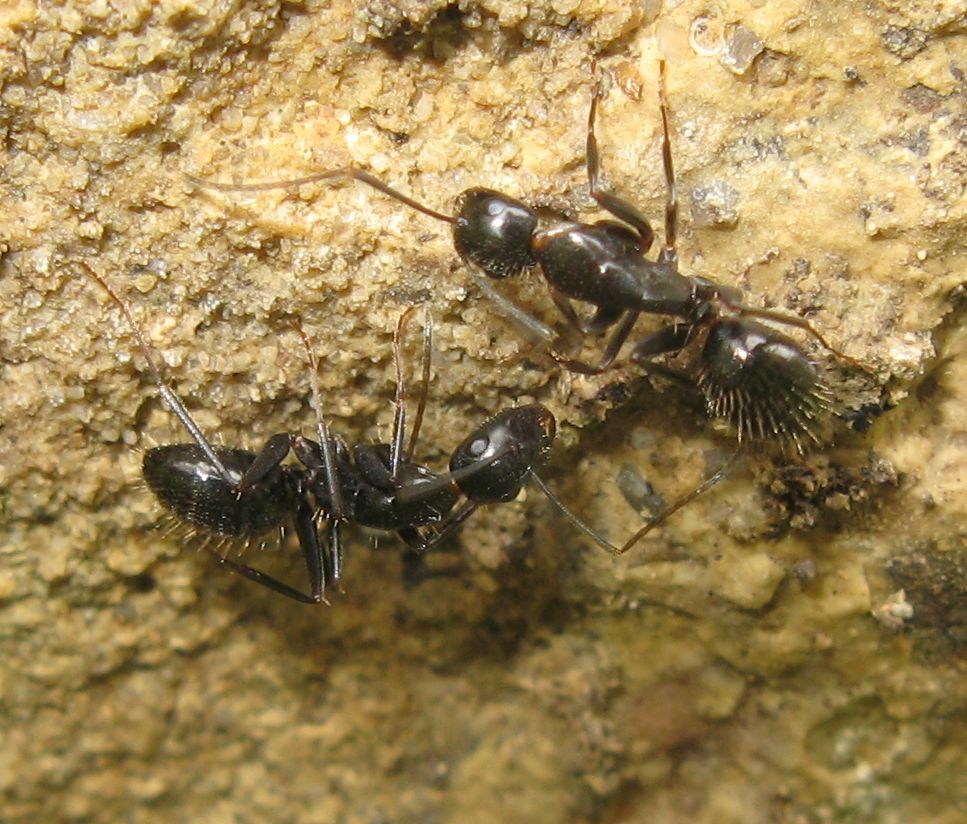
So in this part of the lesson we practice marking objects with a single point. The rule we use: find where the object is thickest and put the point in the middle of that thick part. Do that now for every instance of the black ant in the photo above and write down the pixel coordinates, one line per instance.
(756, 377)
(227, 493)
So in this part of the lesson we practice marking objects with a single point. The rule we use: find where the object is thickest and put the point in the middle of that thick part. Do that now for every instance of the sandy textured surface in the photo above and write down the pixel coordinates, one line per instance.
(790, 648)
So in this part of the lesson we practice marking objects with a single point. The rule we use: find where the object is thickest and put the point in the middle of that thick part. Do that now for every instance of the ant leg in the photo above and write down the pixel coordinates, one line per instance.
(563, 304)
(399, 402)
(615, 342)
(265, 580)
(311, 552)
(669, 252)
(610, 202)
(421, 542)
(399, 418)
(603, 319)
(166, 392)
(348, 173)
(529, 326)
(332, 560)
(327, 443)
(413, 538)
(666, 513)
(270, 456)
(671, 338)
(668, 340)
(415, 571)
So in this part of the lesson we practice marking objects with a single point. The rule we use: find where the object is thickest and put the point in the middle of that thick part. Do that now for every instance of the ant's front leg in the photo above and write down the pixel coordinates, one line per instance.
(421, 541)
(535, 330)
(415, 568)
(416, 571)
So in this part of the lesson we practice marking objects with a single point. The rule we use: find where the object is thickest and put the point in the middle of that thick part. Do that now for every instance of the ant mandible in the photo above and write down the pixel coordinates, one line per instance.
(759, 379)
(230, 493)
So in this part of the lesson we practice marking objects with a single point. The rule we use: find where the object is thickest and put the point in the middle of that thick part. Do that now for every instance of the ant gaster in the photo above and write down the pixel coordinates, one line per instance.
(756, 377)
(225, 492)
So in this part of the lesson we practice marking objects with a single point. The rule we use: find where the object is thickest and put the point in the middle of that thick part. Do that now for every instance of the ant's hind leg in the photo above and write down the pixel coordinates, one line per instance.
(615, 342)
(667, 340)
(270, 457)
(167, 393)
(326, 457)
(319, 567)
(266, 580)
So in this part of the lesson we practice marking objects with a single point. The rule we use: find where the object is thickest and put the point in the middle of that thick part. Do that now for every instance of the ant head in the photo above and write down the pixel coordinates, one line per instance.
(190, 488)
(494, 232)
(761, 381)
(502, 451)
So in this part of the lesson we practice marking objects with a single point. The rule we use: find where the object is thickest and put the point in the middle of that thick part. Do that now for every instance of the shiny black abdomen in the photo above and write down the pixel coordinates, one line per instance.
(192, 490)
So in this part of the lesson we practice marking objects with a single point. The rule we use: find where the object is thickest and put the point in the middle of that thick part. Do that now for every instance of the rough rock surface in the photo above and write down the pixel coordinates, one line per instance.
(791, 647)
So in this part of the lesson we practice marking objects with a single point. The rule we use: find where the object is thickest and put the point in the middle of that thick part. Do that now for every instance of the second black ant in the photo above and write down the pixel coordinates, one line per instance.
(229, 493)
(759, 379)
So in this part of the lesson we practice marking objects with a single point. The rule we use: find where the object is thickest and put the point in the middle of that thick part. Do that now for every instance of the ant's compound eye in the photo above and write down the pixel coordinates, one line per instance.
(494, 232)
(478, 447)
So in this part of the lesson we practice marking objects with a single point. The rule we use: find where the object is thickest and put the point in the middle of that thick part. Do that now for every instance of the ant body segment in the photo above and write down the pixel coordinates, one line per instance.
(227, 492)
(749, 373)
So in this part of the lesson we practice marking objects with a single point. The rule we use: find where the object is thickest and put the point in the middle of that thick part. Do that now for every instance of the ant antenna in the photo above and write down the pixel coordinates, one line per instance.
(166, 392)
(805, 325)
(574, 520)
(666, 513)
(348, 173)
